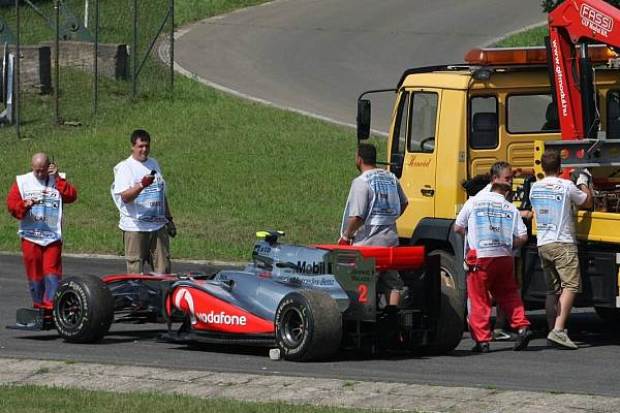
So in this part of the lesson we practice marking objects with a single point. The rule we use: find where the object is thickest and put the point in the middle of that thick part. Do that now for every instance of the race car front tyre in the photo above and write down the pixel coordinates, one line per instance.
(83, 309)
(308, 326)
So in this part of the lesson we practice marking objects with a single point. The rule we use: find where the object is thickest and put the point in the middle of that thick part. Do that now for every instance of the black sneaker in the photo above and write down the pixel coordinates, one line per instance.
(523, 339)
(501, 335)
(481, 348)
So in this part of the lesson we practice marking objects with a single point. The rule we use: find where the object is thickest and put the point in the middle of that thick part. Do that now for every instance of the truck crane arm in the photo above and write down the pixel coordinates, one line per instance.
(572, 23)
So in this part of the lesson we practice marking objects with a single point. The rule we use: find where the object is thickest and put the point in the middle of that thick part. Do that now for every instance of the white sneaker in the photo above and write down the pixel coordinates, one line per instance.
(560, 338)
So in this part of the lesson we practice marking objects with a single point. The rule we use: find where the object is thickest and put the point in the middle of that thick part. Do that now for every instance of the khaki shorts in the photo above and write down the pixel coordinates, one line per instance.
(560, 263)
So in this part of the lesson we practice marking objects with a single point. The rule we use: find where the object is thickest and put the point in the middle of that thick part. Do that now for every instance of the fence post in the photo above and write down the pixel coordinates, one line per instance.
(96, 61)
(57, 63)
(86, 14)
(16, 80)
(134, 51)
(171, 3)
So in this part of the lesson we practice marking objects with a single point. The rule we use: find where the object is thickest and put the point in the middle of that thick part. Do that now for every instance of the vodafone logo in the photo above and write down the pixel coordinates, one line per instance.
(596, 20)
(184, 301)
(222, 318)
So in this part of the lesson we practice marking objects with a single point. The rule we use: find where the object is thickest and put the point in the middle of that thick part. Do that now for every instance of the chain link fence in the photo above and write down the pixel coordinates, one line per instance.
(78, 57)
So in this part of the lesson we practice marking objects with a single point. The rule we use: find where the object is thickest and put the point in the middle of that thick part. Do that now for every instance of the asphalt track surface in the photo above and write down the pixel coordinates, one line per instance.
(317, 56)
(593, 369)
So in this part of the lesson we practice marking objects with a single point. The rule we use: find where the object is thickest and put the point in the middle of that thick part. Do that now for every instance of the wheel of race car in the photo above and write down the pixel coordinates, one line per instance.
(83, 309)
(607, 314)
(308, 326)
(451, 322)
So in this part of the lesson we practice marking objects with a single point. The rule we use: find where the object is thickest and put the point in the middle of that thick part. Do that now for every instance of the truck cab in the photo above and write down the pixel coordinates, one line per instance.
(451, 123)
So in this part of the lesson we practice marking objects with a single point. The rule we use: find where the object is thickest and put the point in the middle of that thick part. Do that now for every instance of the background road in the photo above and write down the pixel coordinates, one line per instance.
(593, 369)
(317, 56)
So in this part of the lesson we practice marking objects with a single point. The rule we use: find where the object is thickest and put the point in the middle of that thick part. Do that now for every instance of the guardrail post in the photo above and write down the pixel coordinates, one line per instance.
(17, 66)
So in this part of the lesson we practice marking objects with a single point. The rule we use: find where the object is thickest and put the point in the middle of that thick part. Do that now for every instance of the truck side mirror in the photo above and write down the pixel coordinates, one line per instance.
(363, 119)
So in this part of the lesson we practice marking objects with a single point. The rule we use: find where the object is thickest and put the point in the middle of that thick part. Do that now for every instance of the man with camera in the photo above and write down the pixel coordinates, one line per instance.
(139, 192)
(36, 199)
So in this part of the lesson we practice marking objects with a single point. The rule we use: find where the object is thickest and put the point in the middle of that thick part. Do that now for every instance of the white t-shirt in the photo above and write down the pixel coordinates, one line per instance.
(377, 197)
(492, 224)
(553, 200)
(147, 212)
(487, 188)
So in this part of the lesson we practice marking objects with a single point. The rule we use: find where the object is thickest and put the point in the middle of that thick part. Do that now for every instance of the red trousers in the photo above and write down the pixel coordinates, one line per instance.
(44, 271)
(493, 277)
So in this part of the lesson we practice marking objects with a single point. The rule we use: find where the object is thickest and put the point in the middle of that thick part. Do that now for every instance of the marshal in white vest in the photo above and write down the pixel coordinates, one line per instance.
(42, 224)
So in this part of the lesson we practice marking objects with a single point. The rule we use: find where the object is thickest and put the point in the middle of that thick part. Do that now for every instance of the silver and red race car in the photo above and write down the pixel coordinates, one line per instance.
(308, 301)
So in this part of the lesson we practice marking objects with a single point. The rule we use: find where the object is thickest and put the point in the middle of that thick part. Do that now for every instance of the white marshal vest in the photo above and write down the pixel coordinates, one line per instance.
(148, 211)
(491, 225)
(552, 200)
(42, 224)
(384, 208)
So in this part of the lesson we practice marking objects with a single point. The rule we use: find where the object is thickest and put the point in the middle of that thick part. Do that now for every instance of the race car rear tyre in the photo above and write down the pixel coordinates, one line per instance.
(308, 326)
(451, 321)
(83, 309)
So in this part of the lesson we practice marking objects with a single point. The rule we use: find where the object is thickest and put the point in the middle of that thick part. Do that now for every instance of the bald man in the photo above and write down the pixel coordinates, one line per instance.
(36, 199)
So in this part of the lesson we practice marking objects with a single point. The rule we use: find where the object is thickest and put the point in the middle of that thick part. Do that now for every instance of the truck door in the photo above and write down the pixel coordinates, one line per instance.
(413, 153)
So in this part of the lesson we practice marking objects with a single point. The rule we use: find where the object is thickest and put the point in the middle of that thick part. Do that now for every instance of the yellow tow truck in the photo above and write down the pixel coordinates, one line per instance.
(450, 123)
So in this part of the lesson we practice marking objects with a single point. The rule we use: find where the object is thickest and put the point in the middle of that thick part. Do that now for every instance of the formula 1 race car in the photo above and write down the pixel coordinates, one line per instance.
(307, 301)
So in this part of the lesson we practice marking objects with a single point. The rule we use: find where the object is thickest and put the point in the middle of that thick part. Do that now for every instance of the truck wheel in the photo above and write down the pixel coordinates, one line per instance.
(451, 322)
(607, 314)
(449, 268)
(308, 326)
(83, 309)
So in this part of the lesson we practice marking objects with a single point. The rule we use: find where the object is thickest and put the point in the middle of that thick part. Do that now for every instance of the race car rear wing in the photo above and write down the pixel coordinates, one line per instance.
(386, 258)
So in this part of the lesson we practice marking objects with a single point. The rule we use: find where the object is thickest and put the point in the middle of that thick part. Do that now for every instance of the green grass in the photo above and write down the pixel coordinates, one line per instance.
(232, 166)
(532, 37)
(116, 16)
(37, 399)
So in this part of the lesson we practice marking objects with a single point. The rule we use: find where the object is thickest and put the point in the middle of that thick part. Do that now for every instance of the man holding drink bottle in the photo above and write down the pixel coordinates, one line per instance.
(139, 192)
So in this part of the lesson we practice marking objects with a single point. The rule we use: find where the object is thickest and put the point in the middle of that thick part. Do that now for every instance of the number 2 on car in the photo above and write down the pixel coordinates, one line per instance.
(362, 289)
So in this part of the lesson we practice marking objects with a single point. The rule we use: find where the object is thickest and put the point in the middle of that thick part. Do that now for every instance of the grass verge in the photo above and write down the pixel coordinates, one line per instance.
(532, 37)
(38, 399)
